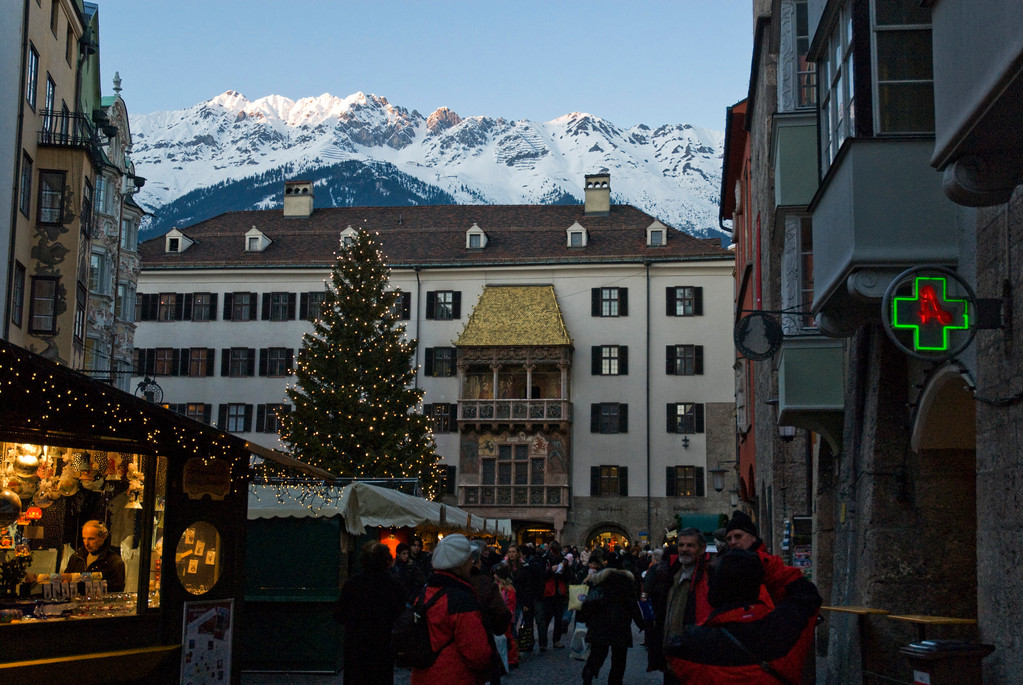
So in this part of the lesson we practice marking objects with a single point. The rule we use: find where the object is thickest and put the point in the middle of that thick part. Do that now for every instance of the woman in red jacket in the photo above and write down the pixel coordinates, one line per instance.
(463, 648)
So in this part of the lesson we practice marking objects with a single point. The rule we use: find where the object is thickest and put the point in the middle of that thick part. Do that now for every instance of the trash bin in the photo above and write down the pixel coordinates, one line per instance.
(946, 662)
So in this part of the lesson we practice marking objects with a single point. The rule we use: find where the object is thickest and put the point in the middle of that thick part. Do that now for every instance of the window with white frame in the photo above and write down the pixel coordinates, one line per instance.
(806, 71)
(610, 360)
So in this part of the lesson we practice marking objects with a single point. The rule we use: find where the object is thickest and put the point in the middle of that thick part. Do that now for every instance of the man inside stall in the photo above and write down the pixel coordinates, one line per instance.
(96, 555)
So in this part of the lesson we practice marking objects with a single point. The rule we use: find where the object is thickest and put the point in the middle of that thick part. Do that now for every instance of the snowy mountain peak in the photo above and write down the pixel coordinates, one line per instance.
(671, 171)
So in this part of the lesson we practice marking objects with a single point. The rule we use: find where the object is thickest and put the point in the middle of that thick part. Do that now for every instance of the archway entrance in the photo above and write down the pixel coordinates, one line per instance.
(609, 537)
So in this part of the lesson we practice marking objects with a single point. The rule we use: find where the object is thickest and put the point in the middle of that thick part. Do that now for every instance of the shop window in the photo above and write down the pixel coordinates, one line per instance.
(198, 558)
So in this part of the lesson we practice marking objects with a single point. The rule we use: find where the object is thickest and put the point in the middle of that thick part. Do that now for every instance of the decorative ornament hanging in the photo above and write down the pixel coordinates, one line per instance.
(10, 507)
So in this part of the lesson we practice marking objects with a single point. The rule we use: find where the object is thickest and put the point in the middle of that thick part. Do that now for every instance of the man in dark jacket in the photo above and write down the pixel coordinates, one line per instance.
(368, 605)
(96, 555)
(554, 597)
(744, 640)
(407, 573)
(608, 611)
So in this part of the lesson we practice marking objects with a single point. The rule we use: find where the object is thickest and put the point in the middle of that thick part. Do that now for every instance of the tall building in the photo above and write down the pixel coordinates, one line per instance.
(576, 360)
(67, 147)
(915, 210)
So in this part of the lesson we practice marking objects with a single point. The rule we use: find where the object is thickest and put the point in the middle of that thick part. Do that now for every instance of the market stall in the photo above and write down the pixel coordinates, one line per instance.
(300, 548)
(165, 494)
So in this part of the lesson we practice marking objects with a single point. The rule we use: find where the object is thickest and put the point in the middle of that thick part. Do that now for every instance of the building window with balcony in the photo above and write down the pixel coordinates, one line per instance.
(609, 417)
(18, 294)
(124, 308)
(684, 481)
(610, 360)
(440, 361)
(240, 306)
(685, 417)
(310, 305)
(444, 305)
(51, 197)
(31, 76)
(806, 272)
(268, 417)
(200, 361)
(51, 94)
(443, 417)
(275, 361)
(236, 418)
(278, 306)
(609, 302)
(903, 68)
(42, 314)
(25, 191)
(129, 235)
(238, 362)
(684, 360)
(609, 481)
(685, 300)
(837, 107)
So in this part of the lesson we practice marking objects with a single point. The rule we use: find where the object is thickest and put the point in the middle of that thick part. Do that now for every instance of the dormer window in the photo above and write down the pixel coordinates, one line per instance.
(348, 237)
(656, 235)
(475, 238)
(176, 241)
(256, 241)
(577, 235)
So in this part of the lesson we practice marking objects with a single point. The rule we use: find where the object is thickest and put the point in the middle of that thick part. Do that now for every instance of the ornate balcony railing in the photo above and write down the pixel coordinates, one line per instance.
(513, 495)
(66, 129)
(515, 410)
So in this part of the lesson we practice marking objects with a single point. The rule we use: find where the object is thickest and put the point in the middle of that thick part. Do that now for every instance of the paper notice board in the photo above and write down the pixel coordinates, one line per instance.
(206, 642)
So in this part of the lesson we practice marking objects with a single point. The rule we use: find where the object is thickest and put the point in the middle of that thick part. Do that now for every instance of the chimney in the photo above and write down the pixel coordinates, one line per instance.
(298, 198)
(598, 194)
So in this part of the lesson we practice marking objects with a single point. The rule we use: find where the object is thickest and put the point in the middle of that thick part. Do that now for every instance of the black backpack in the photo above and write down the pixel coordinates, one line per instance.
(410, 635)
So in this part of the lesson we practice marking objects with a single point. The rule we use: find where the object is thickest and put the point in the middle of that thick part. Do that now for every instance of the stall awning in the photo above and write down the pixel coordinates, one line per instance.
(284, 459)
(362, 506)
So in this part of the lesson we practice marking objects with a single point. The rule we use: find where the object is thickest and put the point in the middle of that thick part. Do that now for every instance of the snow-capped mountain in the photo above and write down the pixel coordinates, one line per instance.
(230, 153)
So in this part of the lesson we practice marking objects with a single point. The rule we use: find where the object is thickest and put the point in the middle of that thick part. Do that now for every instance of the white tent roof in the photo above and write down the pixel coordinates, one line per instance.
(362, 506)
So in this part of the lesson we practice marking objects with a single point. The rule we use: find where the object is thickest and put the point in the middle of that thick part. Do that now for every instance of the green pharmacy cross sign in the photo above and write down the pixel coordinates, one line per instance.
(929, 313)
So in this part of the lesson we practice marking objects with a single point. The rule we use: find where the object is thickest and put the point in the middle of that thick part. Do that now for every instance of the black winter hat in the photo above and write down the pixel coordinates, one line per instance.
(735, 578)
(741, 521)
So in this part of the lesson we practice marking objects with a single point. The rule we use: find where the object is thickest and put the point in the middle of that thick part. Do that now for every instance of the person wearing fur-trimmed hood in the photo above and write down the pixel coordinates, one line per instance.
(609, 610)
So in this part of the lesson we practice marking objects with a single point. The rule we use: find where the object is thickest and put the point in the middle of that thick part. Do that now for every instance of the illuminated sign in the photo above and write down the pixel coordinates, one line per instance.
(929, 313)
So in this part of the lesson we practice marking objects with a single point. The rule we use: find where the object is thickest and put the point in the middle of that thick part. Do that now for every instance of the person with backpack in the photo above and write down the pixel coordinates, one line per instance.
(368, 604)
(609, 610)
(464, 651)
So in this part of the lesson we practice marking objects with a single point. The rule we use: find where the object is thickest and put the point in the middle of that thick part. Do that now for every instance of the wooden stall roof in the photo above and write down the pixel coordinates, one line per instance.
(42, 402)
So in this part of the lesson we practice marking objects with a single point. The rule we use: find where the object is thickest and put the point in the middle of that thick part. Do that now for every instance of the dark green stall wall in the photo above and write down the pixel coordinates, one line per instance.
(293, 570)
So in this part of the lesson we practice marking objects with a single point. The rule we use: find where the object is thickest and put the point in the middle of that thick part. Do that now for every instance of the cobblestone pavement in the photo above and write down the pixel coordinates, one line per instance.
(555, 667)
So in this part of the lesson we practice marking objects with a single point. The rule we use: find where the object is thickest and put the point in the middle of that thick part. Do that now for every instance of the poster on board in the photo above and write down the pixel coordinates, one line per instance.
(206, 642)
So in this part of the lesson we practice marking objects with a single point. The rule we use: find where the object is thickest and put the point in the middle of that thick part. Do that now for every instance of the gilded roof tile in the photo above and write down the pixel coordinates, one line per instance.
(516, 315)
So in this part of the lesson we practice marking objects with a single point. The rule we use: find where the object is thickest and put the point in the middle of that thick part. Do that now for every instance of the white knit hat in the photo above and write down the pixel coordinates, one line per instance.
(451, 552)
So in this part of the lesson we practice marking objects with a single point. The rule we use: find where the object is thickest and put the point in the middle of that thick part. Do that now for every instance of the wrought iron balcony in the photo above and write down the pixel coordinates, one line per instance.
(67, 129)
(516, 411)
(513, 495)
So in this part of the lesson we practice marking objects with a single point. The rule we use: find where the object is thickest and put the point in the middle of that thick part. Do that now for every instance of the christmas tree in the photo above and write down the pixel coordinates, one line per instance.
(356, 410)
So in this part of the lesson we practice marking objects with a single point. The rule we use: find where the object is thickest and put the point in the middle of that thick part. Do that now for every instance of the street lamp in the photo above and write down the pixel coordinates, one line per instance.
(718, 475)
(787, 433)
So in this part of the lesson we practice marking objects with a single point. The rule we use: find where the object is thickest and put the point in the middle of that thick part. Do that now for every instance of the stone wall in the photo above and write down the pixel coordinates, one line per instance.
(999, 462)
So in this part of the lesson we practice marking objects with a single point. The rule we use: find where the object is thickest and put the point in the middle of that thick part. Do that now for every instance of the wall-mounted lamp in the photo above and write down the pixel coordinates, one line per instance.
(733, 497)
(787, 433)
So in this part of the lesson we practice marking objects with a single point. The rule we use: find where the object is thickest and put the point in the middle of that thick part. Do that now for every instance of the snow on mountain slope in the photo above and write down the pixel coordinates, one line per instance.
(672, 171)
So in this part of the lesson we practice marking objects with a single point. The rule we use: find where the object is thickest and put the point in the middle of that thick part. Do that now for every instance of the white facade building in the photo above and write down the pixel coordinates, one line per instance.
(606, 335)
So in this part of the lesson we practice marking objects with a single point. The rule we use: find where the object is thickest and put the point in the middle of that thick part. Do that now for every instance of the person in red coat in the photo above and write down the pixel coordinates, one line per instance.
(741, 533)
(457, 634)
(743, 640)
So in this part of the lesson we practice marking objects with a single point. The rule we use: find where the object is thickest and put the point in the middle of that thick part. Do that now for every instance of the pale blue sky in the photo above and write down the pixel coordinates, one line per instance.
(628, 61)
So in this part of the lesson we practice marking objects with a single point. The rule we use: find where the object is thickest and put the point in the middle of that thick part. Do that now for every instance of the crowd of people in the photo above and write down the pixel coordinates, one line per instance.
(740, 615)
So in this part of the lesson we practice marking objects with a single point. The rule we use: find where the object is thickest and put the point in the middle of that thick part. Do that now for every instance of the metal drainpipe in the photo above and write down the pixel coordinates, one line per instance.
(16, 190)
(648, 417)
(418, 289)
